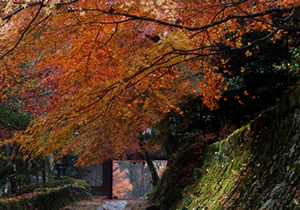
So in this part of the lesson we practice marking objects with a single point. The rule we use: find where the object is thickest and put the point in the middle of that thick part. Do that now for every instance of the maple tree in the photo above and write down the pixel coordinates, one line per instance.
(132, 179)
(108, 70)
(121, 184)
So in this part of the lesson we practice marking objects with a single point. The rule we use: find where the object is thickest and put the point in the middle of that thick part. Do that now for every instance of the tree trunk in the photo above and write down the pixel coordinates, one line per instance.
(36, 178)
(155, 177)
(141, 191)
(12, 186)
(28, 168)
(8, 166)
(131, 179)
(43, 164)
(36, 168)
(48, 169)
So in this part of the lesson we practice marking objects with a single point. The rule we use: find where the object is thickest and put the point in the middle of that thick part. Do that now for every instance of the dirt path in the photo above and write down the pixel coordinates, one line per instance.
(118, 204)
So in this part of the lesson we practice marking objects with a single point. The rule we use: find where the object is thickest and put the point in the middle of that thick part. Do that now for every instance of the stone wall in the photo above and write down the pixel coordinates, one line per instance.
(256, 167)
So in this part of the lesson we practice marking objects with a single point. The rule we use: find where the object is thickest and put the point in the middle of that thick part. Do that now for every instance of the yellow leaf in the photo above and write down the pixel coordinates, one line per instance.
(248, 53)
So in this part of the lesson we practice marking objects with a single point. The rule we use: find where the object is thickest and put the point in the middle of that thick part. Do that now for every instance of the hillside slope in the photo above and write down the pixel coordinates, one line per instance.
(256, 167)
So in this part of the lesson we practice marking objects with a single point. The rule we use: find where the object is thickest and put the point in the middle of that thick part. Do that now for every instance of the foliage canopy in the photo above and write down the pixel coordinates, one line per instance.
(98, 73)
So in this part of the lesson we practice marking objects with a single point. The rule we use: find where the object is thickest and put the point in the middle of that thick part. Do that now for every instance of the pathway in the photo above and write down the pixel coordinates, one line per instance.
(117, 204)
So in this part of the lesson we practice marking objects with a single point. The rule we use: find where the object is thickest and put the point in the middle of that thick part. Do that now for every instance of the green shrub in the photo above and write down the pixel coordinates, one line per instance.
(54, 198)
(59, 182)
(60, 197)
(197, 173)
(6, 204)
(186, 202)
(66, 181)
(84, 184)
(26, 189)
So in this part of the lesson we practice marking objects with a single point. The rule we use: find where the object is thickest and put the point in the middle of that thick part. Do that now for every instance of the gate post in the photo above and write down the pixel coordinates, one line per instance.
(108, 178)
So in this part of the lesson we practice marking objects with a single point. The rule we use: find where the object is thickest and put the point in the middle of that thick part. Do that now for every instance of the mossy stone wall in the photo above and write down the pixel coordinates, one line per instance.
(256, 167)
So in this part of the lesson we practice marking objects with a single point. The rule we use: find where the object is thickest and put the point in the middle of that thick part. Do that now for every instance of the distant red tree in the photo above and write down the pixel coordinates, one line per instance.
(121, 184)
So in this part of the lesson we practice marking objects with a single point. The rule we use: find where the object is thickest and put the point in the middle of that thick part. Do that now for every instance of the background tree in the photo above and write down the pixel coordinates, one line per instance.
(14, 171)
(19, 105)
(121, 184)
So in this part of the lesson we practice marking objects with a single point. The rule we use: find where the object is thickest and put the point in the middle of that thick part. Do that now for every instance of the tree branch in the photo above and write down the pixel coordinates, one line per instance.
(38, 3)
(23, 34)
(223, 20)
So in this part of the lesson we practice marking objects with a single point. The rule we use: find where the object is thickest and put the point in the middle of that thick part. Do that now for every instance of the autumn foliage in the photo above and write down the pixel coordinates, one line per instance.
(121, 184)
(98, 73)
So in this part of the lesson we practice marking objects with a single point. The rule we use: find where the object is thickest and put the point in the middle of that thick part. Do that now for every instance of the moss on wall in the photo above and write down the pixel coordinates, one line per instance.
(179, 173)
(256, 167)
